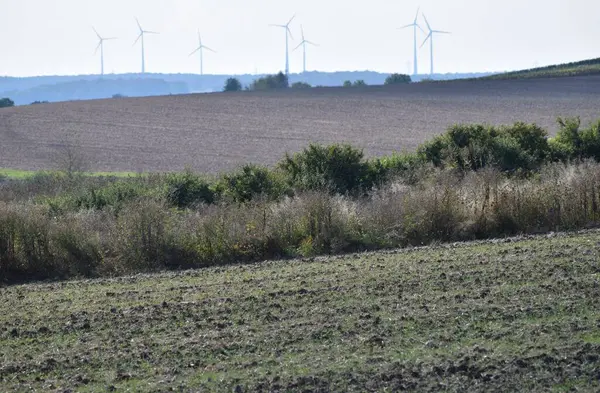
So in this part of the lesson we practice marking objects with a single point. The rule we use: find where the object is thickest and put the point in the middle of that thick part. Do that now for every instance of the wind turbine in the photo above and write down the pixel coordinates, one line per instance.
(288, 33)
(101, 47)
(141, 36)
(303, 45)
(415, 25)
(200, 49)
(430, 38)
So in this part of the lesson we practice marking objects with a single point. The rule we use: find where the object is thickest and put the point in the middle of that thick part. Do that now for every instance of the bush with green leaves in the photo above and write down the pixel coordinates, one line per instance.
(397, 79)
(359, 83)
(6, 103)
(271, 82)
(113, 195)
(250, 182)
(409, 167)
(336, 168)
(232, 84)
(301, 85)
(347, 84)
(519, 147)
(188, 189)
(574, 142)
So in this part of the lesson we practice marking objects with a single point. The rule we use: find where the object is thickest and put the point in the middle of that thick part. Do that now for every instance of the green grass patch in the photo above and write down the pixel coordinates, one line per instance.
(580, 68)
(25, 174)
(16, 173)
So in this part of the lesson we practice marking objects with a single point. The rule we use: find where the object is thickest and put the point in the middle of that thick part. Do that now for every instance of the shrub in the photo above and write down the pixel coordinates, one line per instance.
(519, 147)
(25, 242)
(590, 141)
(359, 82)
(232, 84)
(336, 168)
(114, 194)
(314, 223)
(301, 85)
(530, 137)
(187, 189)
(568, 135)
(6, 103)
(397, 79)
(409, 166)
(575, 142)
(250, 182)
(347, 84)
(141, 240)
(269, 82)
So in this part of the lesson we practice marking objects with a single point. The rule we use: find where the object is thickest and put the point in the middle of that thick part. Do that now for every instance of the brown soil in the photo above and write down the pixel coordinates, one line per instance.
(215, 132)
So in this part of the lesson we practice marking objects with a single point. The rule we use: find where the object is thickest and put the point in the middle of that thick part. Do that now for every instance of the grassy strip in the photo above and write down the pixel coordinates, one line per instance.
(580, 68)
(25, 174)
(498, 316)
(16, 173)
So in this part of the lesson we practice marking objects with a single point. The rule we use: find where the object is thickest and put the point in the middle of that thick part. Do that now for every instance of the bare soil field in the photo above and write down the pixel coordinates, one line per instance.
(216, 132)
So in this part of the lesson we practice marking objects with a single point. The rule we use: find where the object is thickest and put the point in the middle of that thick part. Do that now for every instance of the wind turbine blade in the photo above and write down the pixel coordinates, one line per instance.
(312, 43)
(207, 48)
(109, 38)
(95, 31)
(302, 32)
(290, 21)
(98, 47)
(278, 26)
(150, 32)
(428, 37)
(426, 21)
(299, 45)
(406, 27)
(417, 15)
(138, 23)
(441, 32)
(138, 38)
(289, 32)
(196, 51)
(420, 28)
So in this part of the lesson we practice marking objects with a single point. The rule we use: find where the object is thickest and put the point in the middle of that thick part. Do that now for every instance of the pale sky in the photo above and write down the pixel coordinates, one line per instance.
(55, 37)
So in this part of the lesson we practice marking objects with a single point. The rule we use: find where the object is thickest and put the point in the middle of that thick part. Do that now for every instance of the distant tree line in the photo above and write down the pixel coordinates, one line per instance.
(277, 81)
(6, 103)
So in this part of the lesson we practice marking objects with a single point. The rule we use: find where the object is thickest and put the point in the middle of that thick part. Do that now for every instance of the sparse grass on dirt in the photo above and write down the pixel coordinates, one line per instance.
(580, 68)
(491, 316)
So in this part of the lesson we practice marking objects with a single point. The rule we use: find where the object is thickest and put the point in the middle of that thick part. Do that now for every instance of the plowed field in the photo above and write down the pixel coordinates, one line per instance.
(217, 132)
(518, 315)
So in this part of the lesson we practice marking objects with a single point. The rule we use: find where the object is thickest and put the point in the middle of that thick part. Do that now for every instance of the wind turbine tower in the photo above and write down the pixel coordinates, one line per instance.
(288, 33)
(141, 37)
(200, 49)
(303, 45)
(415, 25)
(101, 47)
(430, 38)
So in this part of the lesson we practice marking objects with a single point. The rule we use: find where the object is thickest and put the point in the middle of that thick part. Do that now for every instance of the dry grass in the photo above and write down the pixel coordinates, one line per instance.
(144, 234)
(217, 132)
